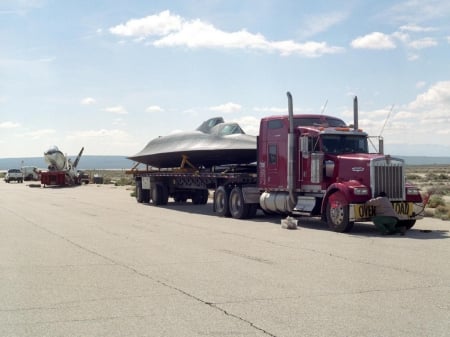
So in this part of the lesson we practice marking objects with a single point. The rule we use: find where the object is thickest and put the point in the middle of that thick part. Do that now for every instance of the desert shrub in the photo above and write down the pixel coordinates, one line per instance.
(436, 201)
(413, 176)
(123, 181)
(428, 212)
(442, 189)
(442, 212)
(431, 176)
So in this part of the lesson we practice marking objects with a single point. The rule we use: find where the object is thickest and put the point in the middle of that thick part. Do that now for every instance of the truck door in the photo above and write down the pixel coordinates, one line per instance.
(273, 155)
(311, 163)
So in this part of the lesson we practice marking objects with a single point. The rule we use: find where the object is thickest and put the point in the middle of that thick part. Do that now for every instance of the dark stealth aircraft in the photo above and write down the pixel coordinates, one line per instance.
(213, 143)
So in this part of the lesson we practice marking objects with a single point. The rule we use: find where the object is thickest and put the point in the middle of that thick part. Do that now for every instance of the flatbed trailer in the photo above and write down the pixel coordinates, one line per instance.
(309, 165)
(157, 186)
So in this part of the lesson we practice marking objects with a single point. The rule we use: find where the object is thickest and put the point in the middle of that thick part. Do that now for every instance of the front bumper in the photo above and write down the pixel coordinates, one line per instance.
(405, 211)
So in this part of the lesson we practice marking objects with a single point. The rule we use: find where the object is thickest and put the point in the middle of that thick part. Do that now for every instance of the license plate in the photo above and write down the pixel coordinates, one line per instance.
(363, 211)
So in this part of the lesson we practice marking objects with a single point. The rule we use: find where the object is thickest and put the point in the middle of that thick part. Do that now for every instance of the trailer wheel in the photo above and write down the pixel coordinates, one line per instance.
(238, 208)
(337, 213)
(139, 191)
(200, 197)
(221, 196)
(180, 197)
(160, 195)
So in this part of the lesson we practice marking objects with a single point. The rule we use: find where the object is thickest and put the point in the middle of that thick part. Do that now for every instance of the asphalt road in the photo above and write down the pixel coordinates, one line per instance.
(90, 261)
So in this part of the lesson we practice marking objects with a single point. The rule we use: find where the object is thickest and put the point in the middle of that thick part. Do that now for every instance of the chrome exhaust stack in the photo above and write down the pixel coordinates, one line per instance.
(355, 113)
(292, 201)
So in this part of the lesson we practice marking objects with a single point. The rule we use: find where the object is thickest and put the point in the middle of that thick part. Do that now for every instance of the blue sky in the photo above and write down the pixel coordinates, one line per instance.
(110, 75)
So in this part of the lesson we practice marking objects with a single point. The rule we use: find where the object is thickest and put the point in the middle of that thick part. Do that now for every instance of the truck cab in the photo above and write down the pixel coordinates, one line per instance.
(332, 172)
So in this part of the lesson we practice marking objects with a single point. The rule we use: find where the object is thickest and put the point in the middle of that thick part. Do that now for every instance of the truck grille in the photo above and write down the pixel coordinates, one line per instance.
(387, 175)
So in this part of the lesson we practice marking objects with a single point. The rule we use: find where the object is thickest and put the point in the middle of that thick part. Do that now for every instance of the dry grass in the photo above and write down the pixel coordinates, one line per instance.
(434, 180)
(115, 177)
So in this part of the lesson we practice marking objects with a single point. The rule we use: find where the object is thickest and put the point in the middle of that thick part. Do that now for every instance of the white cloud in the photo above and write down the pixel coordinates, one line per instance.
(417, 28)
(38, 134)
(120, 110)
(159, 24)
(154, 108)
(315, 24)
(435, 98)
(102, 133)
(272, 110)
(420, 84)
(375, 40)
(172, 31)
(249, 124)
(226, 108)
(424, 120)
(9, 125)
(417, 11)
(413, 57)
(423, 43)
(88, 101)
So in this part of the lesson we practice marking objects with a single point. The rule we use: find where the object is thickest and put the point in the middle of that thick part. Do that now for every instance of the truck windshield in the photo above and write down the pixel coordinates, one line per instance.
(339, 144)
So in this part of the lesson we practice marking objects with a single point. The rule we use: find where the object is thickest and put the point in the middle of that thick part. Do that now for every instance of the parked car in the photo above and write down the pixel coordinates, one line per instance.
(14, 175)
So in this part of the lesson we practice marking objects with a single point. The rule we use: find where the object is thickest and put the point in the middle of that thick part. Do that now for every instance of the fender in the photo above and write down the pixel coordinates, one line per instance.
(344, 188)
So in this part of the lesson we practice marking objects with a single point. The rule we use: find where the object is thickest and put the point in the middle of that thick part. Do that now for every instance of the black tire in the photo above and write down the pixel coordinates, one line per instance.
(253, 208)
(180, 197)
(205, 195)
(139, 196)
(337, 214)
(221, 196)
(157, 195)
(238, 208)
(165, 194)
(406, 223)
(145, 196)
(197, 197)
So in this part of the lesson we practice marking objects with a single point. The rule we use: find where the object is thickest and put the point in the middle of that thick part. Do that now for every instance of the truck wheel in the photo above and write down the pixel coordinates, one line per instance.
(407, 223)
(238, 208)
(221, 196)
(337, 213)
(253, 208)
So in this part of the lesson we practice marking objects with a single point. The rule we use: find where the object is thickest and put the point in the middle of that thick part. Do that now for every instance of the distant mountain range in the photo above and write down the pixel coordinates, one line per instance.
(86, 162)
(121, 162)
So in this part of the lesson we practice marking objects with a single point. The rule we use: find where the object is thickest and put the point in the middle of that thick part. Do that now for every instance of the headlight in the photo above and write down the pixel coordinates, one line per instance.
(361, 191)
(412, 191)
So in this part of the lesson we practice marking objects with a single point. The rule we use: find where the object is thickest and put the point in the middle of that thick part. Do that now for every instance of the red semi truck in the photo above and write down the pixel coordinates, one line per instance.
(308, 165)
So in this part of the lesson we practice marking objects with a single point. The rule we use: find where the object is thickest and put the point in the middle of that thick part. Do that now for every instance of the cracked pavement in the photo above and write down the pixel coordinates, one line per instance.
(90, 261)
